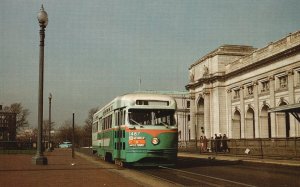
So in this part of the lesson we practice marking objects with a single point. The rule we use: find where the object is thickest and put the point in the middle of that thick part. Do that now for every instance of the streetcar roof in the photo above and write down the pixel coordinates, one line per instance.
(130, 99)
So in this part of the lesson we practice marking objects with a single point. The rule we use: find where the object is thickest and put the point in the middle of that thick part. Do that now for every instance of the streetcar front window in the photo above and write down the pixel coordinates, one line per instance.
(151, 117)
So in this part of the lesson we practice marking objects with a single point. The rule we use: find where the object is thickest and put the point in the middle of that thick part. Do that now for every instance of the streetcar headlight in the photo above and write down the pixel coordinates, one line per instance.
(155, 141)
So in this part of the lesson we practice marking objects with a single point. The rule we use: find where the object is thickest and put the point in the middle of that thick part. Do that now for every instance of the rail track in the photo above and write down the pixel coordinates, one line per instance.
(185, 178)
(190, 171)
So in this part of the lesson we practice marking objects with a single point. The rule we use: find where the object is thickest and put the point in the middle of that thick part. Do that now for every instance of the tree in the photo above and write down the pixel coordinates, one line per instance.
(87, 128)
(22, 114)
(65, 133)
(83, 134)
(89, 120)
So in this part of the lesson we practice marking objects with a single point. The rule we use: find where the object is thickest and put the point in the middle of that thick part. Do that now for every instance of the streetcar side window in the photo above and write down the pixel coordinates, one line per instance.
(117, 118)
(109, 121)
(99, 125)
(121, 117)
(124, 116)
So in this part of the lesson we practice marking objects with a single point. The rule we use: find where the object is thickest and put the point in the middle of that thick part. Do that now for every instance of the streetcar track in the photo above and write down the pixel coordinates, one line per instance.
(202, 182)
(160, 178)
(187, 173)
(207, 176)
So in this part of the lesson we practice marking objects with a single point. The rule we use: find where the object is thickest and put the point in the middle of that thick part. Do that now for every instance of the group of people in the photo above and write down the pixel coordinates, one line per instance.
(217, 144)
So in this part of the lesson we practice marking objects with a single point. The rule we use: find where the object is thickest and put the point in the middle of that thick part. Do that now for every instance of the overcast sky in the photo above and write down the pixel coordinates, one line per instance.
(98, 49)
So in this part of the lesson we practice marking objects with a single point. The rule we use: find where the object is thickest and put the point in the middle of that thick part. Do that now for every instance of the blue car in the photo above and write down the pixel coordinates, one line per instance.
(65, 145)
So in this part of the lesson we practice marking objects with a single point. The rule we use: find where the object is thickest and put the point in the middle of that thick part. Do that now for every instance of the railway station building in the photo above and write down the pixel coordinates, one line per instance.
(234, 87)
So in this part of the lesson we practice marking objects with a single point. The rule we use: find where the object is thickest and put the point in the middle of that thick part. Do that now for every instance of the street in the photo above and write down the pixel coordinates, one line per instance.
(87, 169)
(191, 171)
(204, 172)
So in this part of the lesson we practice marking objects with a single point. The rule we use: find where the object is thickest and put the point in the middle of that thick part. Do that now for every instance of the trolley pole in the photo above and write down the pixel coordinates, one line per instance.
(73, 138)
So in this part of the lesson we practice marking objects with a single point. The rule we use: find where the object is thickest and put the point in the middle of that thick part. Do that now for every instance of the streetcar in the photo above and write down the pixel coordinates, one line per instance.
(137, 129)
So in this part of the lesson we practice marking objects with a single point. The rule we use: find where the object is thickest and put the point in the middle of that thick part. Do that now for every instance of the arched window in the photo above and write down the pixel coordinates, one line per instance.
(283, 123)
(249, 124)
(265, 123)
(200, 117)
(236, 125)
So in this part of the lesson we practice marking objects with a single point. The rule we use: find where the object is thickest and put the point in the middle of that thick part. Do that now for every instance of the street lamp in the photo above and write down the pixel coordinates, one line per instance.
(39, 158)
(49, 135)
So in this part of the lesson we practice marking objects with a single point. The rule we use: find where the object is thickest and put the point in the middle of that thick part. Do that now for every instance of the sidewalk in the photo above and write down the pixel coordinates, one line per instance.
(228, 157)
(17, 170)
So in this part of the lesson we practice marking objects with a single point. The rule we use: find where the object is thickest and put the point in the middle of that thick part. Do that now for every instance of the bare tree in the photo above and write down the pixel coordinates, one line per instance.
(87, 128)
(83, 134)
(89, 120)
(64, 133)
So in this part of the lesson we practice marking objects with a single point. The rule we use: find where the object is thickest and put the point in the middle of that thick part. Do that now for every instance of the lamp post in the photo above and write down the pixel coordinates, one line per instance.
(49, 135)
(39, 158)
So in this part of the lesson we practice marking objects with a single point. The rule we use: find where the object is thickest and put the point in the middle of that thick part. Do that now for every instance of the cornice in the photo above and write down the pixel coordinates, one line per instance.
(232, 50)
(264, 62)
(273, 52)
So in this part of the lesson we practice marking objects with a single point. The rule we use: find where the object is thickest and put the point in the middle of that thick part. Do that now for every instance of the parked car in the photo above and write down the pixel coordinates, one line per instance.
(65, 145)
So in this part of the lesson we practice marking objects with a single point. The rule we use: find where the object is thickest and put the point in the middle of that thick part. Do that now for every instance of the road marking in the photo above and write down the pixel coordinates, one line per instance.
(216, 178)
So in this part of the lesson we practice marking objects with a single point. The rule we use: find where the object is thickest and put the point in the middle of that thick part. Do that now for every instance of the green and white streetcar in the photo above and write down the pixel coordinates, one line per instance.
(137, 129)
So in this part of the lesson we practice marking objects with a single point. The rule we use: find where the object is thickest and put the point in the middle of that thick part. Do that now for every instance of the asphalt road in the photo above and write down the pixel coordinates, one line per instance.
(204, 172)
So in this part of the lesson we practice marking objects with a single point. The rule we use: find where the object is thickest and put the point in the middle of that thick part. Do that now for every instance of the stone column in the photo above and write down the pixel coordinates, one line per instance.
(207, 125)
(229, 114)
(256, 110)
(272, 105)
(291, 86)
(192, 117)
(242, 111)
(291, 91)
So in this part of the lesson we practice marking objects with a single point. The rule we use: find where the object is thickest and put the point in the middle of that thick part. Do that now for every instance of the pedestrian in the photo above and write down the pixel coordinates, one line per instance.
(212, 144)
(205, 144)
(201, 144)
(224, 143)
(218, 142)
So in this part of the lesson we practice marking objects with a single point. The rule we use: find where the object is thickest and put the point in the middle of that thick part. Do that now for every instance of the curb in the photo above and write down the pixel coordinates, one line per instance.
(290, 163)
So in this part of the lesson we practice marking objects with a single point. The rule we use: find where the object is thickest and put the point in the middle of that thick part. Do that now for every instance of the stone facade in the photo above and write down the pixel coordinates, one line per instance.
(182, 114)
(233, 87)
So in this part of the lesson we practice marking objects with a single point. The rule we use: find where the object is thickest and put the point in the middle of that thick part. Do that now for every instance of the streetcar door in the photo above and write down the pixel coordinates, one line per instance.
(119, 135)
(117, 138)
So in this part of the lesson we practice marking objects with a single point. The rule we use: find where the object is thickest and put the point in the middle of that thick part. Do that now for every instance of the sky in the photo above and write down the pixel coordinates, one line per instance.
(96, 50)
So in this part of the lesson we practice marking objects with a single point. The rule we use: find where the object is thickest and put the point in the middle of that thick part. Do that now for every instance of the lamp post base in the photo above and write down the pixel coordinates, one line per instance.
(39, 160)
